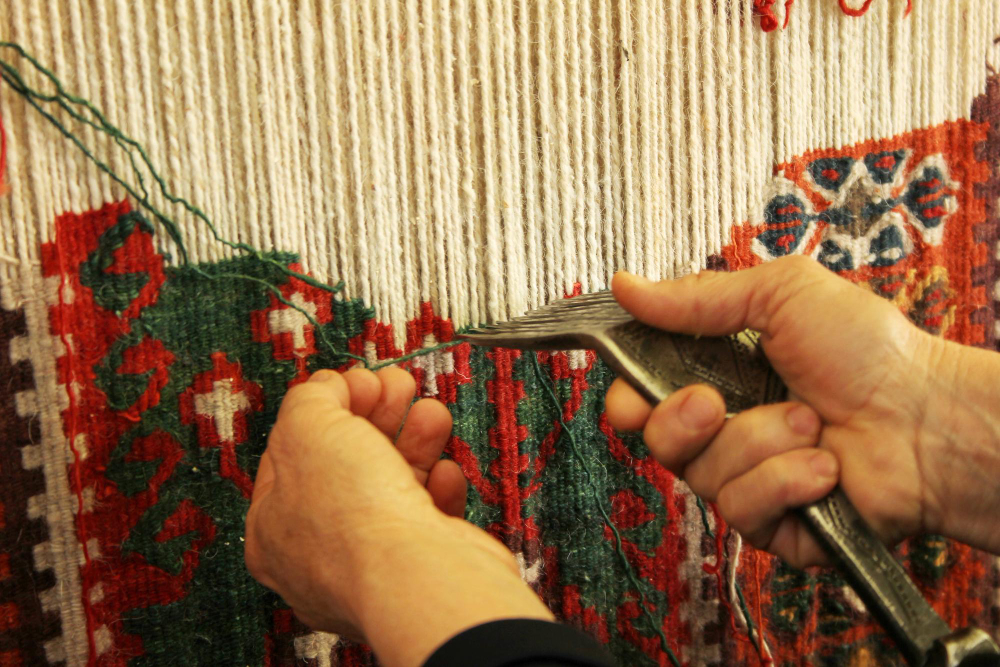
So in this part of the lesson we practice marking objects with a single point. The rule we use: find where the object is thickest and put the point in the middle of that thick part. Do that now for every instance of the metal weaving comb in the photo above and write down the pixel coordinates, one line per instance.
(657, 363)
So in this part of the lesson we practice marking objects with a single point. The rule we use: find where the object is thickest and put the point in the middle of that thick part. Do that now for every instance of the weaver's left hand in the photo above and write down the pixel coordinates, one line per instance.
(354, 520)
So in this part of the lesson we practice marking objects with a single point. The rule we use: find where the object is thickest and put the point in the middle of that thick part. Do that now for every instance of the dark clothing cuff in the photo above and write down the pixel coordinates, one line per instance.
(521, 643)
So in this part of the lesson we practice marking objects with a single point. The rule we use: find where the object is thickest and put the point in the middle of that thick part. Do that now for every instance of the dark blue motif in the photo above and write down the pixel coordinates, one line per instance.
(839, 216)
(888, 247)
(883, 165)
(831, 172)
(834, 257)
(926, 197)
(787, 218)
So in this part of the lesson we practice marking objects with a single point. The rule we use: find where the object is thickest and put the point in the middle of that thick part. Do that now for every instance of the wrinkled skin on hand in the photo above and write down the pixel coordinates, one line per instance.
(870, 396)
(355, 520)
(332, 475)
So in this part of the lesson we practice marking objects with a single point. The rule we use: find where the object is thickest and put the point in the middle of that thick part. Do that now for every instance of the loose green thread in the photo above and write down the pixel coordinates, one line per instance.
(66, 101)
(751, 629)
(416, 353)
(619, 549)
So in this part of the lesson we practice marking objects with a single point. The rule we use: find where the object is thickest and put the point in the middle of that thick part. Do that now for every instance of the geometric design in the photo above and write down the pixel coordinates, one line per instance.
(187, 376)
(27, 622)
(914, 218)
(289, 329)
(986, 110)
(894, 214)
(173, 376)
(217, 401)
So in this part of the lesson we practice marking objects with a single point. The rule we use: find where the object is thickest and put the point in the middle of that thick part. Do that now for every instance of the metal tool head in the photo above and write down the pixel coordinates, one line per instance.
(566, 324)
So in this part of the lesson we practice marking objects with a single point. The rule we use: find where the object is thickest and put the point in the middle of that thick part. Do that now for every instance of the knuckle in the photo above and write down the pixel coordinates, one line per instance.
(799, 264)
(699, 284)
(701, 481)
(663, 448)
(253, 561)
(743, 430)
(783, 485)
(730, 508)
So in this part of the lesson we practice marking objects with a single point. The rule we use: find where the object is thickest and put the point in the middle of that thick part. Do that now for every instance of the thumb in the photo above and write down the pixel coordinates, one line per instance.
(714, 304)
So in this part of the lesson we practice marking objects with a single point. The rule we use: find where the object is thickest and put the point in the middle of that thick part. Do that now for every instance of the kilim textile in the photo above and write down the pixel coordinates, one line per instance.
(452, 162)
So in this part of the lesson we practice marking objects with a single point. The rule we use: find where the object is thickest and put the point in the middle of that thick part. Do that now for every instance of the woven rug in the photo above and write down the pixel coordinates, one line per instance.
(382, 174)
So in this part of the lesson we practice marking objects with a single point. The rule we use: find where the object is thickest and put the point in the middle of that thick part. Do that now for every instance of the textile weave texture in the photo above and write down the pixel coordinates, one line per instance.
(453, 163)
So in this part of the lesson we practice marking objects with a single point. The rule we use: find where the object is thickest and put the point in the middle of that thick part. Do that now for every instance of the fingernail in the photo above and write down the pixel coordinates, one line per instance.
(824, 464)
(323, 375)
(803, 420)
(698, 411)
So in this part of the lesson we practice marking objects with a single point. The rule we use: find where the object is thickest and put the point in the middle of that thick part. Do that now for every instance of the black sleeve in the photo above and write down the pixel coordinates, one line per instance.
(521, 642)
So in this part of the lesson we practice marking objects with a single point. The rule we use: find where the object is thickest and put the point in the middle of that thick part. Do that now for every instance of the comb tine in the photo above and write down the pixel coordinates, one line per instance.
(563, 324)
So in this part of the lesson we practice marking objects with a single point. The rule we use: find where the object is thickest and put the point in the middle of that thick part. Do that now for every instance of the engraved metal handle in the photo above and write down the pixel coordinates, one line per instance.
(657, 363)
(878, 578)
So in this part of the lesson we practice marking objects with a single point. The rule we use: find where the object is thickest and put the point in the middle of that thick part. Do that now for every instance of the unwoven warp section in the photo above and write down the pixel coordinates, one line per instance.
(453, 163)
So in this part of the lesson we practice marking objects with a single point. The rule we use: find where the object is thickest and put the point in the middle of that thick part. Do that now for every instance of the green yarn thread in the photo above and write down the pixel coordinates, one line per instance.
(77, 108)
(751, 629)
(71, 104)
(619, 549)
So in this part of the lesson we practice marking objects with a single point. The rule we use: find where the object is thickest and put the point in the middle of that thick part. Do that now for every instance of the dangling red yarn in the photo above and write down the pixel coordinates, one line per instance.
(3, 158)
(768, 21)
(860, 11)
(788, 12)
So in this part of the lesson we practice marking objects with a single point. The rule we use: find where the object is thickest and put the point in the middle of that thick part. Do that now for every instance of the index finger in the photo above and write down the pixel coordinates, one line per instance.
(323, 392)
(627, 410)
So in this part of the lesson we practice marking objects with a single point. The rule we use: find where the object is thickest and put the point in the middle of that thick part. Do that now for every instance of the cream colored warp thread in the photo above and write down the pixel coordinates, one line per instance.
(483, 155)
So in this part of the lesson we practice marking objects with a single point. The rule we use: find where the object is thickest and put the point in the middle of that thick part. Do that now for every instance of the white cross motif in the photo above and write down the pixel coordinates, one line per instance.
(289, 320)
(529, 574)
(222, 404)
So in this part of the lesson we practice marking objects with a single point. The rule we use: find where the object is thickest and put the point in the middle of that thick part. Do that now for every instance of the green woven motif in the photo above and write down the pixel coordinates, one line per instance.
(182, 370)
(224, 616)
(174, 461)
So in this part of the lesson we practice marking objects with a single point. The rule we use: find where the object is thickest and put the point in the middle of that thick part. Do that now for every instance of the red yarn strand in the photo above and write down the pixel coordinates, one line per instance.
(77, 479)
(764, 660)
(851, 11)
(769, 22)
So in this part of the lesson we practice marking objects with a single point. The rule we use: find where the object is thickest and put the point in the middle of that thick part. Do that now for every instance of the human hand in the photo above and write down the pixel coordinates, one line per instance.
(353, 525)
(889, 411)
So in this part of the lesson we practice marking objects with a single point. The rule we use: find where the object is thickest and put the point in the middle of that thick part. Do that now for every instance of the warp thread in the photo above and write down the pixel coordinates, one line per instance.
(66, 100)
(71, 433)
(70, 104)
(3, 158)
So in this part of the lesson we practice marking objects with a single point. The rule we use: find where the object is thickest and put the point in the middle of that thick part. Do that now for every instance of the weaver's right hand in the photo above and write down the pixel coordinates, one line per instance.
(906, 422)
